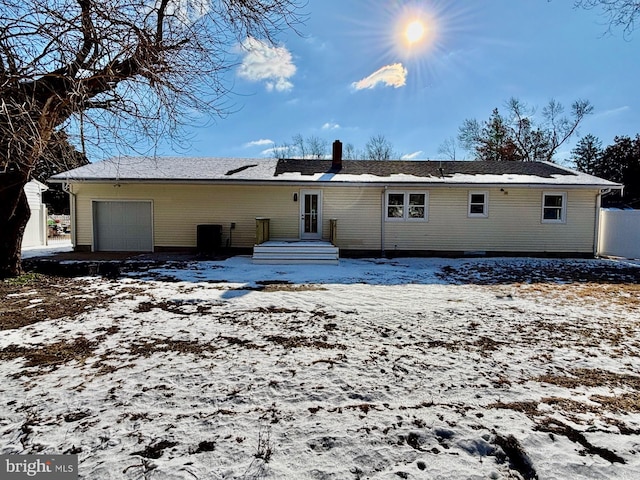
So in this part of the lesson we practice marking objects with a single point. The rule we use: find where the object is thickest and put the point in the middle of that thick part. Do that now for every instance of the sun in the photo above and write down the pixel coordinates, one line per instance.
(414, 31)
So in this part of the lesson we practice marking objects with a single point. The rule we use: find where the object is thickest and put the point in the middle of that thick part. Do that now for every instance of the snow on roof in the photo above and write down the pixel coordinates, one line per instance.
(215, 170)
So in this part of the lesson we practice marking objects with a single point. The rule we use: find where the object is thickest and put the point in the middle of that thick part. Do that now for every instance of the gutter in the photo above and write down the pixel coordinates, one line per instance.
(320, 183)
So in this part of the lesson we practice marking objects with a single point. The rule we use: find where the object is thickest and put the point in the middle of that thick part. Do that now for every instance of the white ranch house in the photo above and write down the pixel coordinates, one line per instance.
(357, 207)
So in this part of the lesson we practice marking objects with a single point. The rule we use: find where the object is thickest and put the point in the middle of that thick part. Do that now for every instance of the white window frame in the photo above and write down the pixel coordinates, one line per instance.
(405, 206)
(562, 208)
(485, 204)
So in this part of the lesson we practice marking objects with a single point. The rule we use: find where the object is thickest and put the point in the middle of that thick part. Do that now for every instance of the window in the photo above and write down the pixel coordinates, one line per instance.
(395, 205)
(407, 206)
(478, 204)
(554, 207)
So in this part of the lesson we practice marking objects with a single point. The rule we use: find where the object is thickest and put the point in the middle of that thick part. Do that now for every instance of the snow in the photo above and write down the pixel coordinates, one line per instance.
(577, 179)
(46, 250)
(373, 368)
(176, 169)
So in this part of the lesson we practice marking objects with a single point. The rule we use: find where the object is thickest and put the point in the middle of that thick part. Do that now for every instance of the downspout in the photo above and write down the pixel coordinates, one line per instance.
(382, 222)
(596, 239)
(72, 210)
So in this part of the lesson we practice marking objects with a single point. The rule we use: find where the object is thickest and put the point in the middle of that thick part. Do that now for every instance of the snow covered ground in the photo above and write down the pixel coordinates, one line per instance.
(380, 369)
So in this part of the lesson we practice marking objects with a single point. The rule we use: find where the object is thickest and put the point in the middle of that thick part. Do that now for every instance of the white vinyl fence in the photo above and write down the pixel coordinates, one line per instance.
(619, 233)
(35, 233)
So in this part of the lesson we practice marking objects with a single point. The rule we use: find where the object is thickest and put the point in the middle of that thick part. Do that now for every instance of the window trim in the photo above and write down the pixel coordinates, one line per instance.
(485, 204)
(405, 206)
(562, 208)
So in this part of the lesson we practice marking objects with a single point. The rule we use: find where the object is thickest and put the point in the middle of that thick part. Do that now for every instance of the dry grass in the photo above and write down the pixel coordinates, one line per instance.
(618, 294)
(35, 298)
(592, 378)
(51, 355)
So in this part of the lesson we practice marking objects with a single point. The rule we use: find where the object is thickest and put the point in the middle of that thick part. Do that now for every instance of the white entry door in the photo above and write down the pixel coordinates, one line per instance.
(311, 214)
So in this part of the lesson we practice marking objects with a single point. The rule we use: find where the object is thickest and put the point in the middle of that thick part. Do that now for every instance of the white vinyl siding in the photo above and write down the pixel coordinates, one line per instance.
(358, 211)
(178, 209)
(513, 226)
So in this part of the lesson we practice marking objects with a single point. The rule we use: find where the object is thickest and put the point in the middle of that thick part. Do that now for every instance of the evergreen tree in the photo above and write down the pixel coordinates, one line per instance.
(619, 162)
(518, 136)
(586, 154)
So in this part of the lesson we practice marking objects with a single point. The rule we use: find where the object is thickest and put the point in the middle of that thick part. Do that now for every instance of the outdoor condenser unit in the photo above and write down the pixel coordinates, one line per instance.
(209, 239)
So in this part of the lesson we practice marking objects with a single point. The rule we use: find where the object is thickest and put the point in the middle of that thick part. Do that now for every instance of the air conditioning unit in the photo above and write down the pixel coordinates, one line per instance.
(209, 239)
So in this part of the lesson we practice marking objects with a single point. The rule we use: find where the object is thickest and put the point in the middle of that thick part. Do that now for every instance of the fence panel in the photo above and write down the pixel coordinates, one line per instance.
(619, 233)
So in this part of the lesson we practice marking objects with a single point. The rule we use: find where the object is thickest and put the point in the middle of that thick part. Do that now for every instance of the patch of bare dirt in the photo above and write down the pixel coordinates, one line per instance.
(617, 293)
(50, 356)
(592, 378)
(34, 298)
(533, 271)
(149, 347)
(302, 342)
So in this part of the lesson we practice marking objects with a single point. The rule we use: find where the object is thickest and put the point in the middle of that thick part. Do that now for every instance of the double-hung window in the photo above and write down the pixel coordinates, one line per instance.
(554, 207)
(478, 204)
(407, 206)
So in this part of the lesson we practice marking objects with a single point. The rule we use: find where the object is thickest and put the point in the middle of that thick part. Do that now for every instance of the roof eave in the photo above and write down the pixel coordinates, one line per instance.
(301, 181)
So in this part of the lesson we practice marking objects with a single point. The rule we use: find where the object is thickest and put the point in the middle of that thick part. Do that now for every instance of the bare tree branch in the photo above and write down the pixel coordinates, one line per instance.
(620, 13)
(124, 69)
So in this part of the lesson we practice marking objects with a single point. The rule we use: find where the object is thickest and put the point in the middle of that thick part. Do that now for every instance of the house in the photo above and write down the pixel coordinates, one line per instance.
(362, 207)
(35, 233)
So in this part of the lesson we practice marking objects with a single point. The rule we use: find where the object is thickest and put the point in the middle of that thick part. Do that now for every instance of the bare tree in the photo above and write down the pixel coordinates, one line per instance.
(119, 69)
(317, 147)
(284, 150)
(620, 13)
(379, 148)
(299, 147)
(349, 152)
(448, 148)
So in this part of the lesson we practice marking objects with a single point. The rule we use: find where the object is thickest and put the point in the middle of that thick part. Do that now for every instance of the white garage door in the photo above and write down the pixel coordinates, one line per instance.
(122, 226)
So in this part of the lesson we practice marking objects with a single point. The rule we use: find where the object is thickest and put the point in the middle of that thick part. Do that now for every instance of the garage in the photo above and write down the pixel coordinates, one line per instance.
(121, 226)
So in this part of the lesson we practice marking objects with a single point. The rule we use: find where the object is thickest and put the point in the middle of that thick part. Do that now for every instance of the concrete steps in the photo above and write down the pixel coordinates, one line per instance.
(295, 252)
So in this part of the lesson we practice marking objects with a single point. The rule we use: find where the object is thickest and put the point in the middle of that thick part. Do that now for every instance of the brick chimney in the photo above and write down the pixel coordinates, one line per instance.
(336, 159)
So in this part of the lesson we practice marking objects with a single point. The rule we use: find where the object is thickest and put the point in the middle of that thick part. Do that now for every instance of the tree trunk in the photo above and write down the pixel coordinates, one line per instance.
(14, 215)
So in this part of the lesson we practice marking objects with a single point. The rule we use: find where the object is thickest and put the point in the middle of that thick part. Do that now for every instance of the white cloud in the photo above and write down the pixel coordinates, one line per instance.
(613, 111)
(259, 143)
(330, 126)
(412, 156)
(186, 12)
(274, 152)
(264, 63)
(394, 75)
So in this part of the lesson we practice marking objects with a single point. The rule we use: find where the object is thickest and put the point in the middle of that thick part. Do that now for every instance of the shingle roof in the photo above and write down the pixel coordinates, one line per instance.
(229, 170)
(172, 168)
(419, 168)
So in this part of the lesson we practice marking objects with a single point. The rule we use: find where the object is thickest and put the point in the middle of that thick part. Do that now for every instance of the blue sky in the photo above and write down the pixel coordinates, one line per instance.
(350, 75)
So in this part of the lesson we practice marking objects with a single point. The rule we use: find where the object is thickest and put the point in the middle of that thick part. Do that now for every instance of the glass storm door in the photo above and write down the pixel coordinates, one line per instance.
(311, 215)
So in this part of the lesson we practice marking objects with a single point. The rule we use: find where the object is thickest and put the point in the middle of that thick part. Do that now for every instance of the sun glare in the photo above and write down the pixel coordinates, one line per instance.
(415, 39)
(414, 31)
